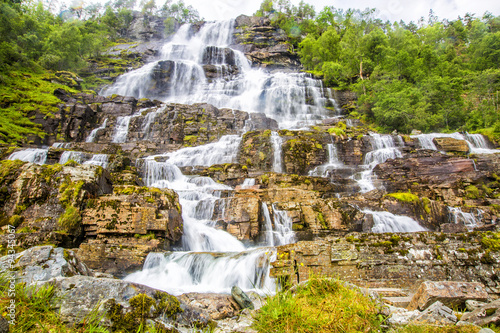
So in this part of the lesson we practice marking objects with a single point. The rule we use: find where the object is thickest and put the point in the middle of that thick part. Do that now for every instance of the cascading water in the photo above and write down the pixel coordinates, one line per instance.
(211, 260)
(384, 148)
(293, 99)
(469, 220)
(333, 163)
(477, 143)
(33, 155)
(277, 142)
(279, 233)
(76, 156)
(98, 159)
(387, 222)
(93, 134)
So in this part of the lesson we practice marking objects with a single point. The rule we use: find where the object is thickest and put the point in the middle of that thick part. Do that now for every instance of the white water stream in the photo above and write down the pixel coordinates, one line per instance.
(388, 222)
(477, 143)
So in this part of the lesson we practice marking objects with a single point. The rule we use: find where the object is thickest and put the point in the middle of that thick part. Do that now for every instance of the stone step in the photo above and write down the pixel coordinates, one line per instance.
(400, 302)
(390, 292)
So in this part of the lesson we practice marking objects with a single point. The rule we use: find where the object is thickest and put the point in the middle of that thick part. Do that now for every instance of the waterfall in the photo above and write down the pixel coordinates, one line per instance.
(33, 155)
(477, 143)
(281, 233)
(469, 220)
(182, 272)
(333, 163)
(93, 134)
(76, 156)
(148, 121)
(223, 151)
(387, 222)
(277, 142)
(178, 76)
(248, 183)
(59, 145)
(121, 129)
(384, 148)
(98, 159)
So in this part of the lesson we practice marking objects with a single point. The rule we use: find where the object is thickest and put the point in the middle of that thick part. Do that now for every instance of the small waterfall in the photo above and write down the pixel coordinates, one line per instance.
(93, 134)
(477, 143)
(223, 151)
(333, 163)
(282, 232)
(98, 159)
(384, 148)
(32, 155)
(248, 183)
(387, 222)
(59, 145)
(148, 121)
(469, 220)
(121, 129)
(76, 156)
(277, 143)
(182, 272)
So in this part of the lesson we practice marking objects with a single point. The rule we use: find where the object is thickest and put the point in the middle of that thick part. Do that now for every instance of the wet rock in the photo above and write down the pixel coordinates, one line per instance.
(241, 298)
(488, 314)
(436, 314)
(450, 293)
(4, 325)
(42, 263)
(451, 145)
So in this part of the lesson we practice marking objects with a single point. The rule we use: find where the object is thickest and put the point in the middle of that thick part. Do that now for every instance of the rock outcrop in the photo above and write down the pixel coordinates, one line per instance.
(393, 260)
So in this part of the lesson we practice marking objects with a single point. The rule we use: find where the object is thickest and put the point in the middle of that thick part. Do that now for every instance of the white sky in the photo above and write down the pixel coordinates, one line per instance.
(393, 10)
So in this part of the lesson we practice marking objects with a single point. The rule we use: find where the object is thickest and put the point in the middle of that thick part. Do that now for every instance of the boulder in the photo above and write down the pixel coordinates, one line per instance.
(241, 298)
(451, 145)
(400, 316)
(436, 314)
(488, 314)
(42, 263)
(217, 306)
(473, 305)
(450, 293)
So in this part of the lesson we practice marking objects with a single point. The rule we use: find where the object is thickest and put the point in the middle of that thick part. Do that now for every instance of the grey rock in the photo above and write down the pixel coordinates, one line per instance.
(241, 298)
(437, 313)
(42, 263)
(472, 305)
(485, 315)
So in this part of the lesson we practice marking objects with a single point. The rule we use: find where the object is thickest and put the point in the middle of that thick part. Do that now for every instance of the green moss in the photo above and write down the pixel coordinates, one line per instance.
(491, 241)
(472, 192)
(405, 197)
(322, 221)
(16, 220)
(426, 202)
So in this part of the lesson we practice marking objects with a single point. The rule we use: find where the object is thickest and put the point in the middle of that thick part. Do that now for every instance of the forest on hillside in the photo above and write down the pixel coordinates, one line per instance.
(430, 75)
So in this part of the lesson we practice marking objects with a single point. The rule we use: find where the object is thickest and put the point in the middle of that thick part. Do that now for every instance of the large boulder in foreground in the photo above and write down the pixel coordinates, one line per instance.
(42, 263)
(450, 293)
(488, 314)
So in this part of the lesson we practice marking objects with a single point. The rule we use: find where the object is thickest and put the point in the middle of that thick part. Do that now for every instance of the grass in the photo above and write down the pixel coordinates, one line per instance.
(320, 305)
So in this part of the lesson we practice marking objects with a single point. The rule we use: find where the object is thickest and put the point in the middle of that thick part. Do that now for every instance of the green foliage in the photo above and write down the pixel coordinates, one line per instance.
(320, 305)
(438, 329)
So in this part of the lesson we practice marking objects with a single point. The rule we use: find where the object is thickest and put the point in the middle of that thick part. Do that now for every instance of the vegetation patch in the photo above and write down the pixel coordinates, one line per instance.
(404, 197)
(320, 305)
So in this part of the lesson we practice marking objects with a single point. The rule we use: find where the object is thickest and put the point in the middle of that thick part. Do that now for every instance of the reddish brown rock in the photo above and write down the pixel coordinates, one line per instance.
(450, 293)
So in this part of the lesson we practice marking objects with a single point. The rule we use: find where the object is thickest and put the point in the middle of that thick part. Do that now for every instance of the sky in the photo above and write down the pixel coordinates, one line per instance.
(392, 10)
